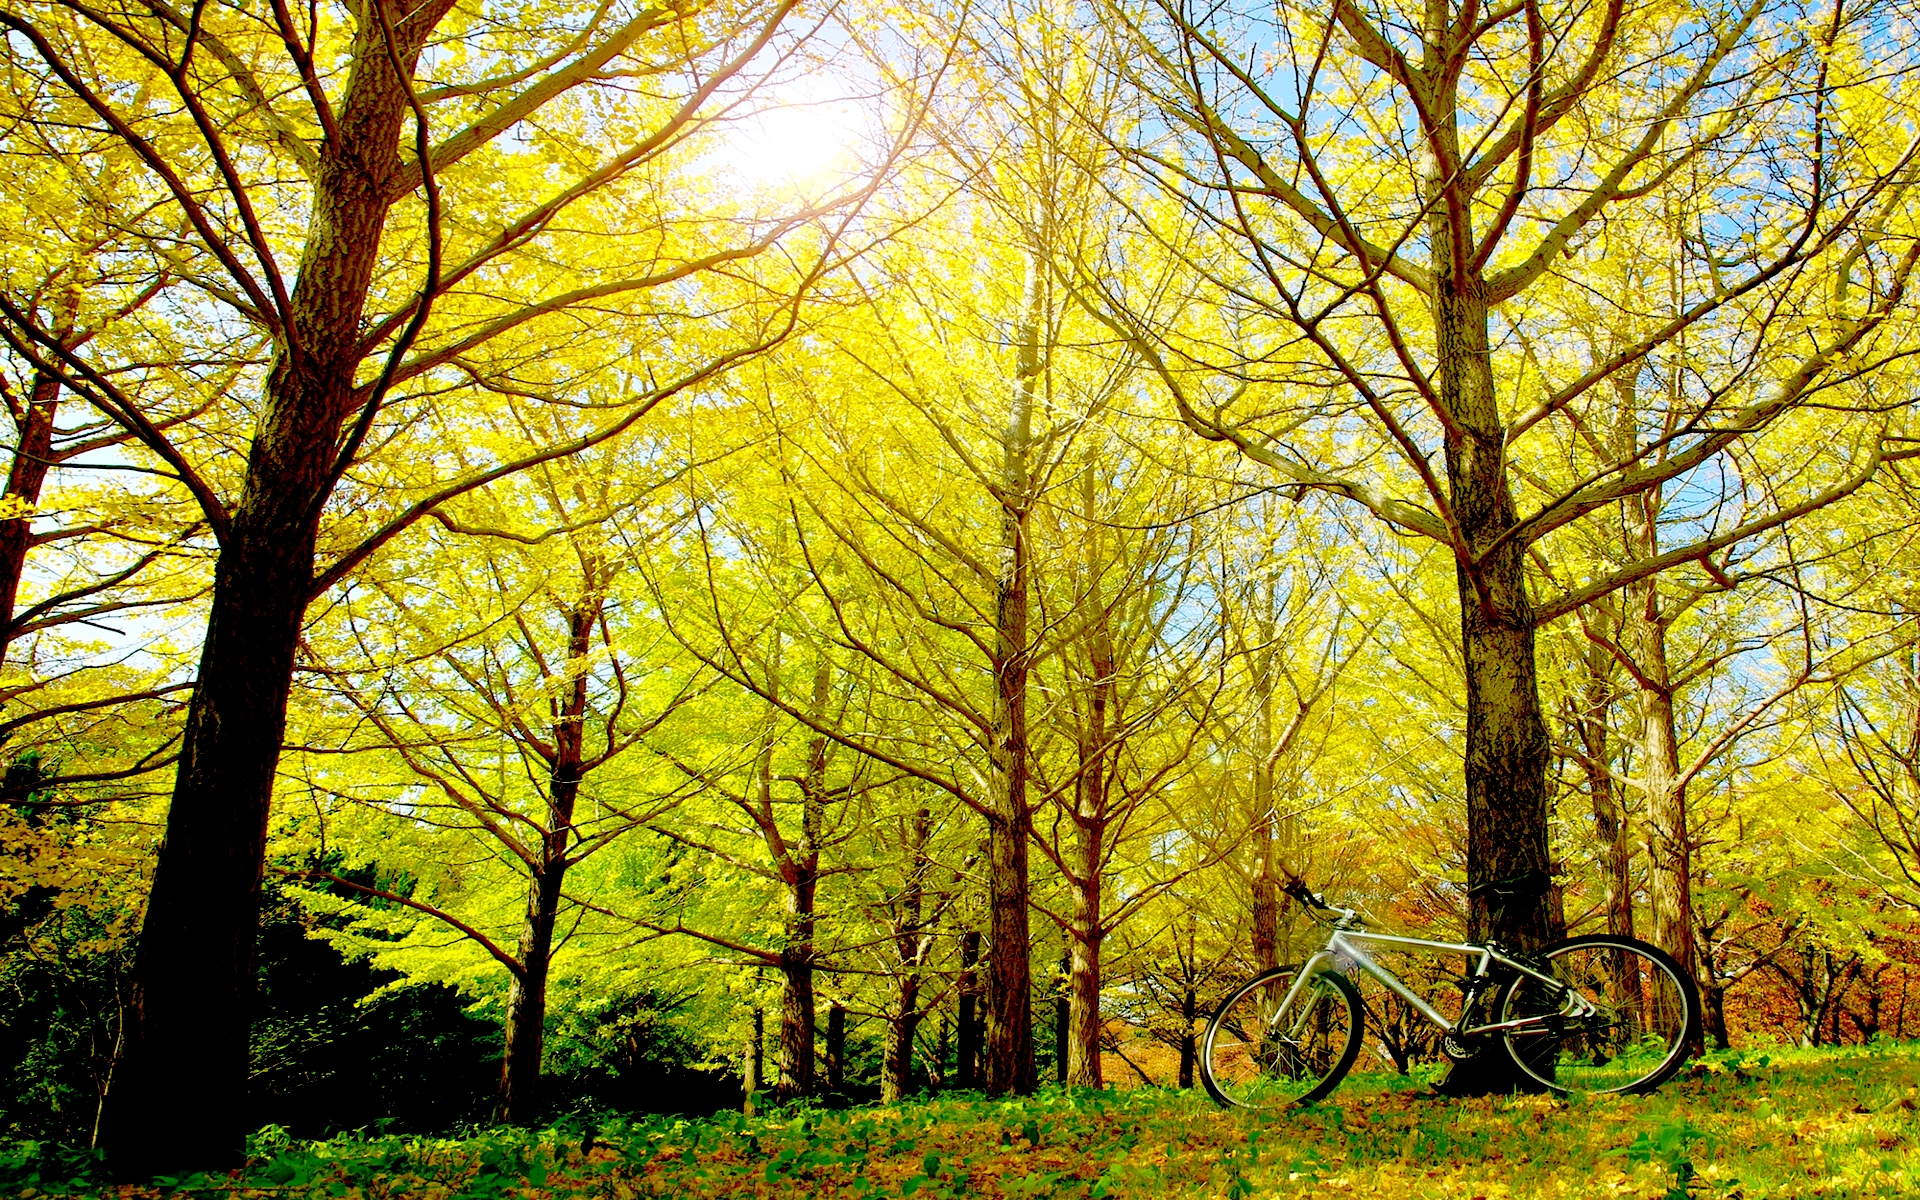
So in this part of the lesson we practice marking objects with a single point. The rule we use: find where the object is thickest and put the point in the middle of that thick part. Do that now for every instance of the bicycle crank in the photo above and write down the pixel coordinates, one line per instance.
(1458, 1050)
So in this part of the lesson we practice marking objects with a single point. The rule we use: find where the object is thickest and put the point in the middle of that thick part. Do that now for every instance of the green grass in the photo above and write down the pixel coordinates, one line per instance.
(1829, 1123)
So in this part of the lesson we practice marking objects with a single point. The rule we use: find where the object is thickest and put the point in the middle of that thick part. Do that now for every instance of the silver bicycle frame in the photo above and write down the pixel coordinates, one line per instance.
(1344, 946)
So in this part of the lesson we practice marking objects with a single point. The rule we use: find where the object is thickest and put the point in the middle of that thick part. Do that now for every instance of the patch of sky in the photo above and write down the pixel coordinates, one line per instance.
(1168, 844)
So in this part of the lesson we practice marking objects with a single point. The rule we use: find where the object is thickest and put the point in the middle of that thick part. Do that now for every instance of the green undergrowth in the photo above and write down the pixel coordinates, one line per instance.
(1828, 1123)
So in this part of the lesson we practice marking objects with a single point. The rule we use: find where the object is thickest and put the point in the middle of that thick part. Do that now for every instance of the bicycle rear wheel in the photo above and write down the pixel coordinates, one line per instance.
(1262, 1052)
(1647, 1016)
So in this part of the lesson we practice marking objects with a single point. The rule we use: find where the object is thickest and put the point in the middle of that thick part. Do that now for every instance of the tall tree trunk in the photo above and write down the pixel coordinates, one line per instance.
(796, 985)
(1080, 1060)
(796, 1026)
(966, 1069)
(1189, 1004)
(1265, 882)
(1007, 1048)
(836, 1057)
(1507, 749)
(519, 1100)
(752, 1059)
(896, 1056)
(1610, 823)
(910, 942)
(1086, 937)
(29, 473)
(1009, 1042)
(800, 873)
(1669, 847)
(179, 1096)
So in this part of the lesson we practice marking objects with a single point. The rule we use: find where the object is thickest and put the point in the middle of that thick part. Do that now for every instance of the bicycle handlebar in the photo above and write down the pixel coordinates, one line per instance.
(1298, 889)
(1343, 918)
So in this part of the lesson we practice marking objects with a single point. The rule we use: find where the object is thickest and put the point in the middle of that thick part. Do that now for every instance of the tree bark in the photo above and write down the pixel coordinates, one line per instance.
(1644, 633)
(1609, 820)
(910, 941)
(29, 473)
(796, 991)
(801, 874)
(1007, 1047)
(896, 1059)
(966, 1070)
(1596, 759)
(1009, 1035)
(836, 1063)
(1264, 886)
(1062, 1018)
(1713, 1013)
(179, 1096)
(519, 1100)
(796, 868)
(1507, 747)
(796, 1029)
(1669, 846)
(1079, 1064)
(751, 1060)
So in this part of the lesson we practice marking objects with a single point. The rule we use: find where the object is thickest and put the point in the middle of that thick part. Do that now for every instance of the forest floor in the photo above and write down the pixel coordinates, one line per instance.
(1828, 1123)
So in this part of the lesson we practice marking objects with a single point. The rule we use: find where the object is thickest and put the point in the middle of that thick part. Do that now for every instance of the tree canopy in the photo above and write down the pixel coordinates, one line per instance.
(912, 535)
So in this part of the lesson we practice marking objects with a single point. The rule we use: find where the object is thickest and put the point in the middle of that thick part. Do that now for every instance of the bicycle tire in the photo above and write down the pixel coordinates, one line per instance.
(1246, 1063)
(1648, 1022)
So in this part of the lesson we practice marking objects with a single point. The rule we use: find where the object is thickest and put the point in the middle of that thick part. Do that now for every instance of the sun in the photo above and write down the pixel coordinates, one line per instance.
(795, 145)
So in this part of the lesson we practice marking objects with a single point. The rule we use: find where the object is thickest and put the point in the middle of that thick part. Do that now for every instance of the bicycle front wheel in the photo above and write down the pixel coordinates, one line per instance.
(1645, 1014)
(1270, 1045)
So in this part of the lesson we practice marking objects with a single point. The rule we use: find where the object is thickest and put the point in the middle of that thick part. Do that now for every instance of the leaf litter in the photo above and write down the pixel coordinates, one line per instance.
(1743, 1126)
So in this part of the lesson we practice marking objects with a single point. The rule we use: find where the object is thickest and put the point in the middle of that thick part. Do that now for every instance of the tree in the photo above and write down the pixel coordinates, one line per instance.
(911, 911)
(99, 558)
(1378, 208)
(1865, 751)
(958, 403)
(493, 642)
(784, 852)
(1684, 645)
(1137, 674)
(1031, 185)
(361, 355)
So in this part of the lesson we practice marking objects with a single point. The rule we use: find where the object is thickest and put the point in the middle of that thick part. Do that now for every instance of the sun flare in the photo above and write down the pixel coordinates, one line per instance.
(803, 145)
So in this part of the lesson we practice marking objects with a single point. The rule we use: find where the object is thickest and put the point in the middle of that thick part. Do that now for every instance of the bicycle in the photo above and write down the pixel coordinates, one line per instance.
(1600, 1013)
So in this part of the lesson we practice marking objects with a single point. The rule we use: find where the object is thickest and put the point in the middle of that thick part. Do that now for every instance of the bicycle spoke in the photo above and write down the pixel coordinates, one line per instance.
(1262, 1052)
(1622, 1024)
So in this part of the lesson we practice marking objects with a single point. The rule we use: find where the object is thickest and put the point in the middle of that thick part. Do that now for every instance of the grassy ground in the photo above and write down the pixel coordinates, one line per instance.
(1784, 1123)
